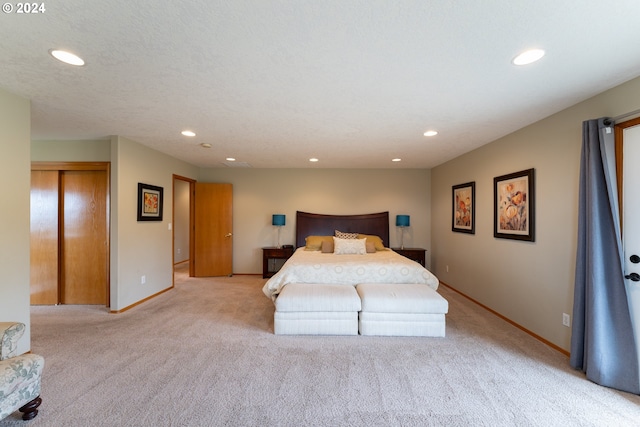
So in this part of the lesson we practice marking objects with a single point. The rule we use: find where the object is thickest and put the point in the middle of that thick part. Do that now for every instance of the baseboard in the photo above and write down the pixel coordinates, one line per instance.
(506, 319)
(140, 302)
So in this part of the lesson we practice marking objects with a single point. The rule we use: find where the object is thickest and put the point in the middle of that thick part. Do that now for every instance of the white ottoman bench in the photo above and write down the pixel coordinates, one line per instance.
(316, 309)
(401, 310)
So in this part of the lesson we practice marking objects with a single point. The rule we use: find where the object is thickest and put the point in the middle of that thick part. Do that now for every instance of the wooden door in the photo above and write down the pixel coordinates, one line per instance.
(84, 255)
(69, 233)
(213, 230)
(44, 237)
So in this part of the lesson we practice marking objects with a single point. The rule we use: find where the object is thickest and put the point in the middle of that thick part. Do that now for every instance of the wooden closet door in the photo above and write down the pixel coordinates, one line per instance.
(84, 263)
(44, 237)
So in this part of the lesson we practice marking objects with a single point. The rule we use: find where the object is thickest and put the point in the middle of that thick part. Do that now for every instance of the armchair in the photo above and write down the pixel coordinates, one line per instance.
(20, 376)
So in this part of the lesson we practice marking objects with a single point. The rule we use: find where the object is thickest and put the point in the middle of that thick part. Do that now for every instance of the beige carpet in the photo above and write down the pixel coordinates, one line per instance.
(204, 354)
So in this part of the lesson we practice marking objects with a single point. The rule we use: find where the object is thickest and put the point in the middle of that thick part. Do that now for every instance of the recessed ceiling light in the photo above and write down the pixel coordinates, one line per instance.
(66, 57)
(205, 145)
(313, 159)
(231, 159)
(188, 133)
(431, 133)
(396, 160)
(528, 57)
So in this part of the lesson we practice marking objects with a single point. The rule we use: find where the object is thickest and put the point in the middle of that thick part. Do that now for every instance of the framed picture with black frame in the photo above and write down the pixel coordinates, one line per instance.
(463, 212)
(514, 206)
(149, 202)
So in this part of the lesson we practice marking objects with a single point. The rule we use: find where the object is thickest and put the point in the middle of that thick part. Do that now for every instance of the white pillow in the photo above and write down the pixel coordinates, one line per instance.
(349, 246)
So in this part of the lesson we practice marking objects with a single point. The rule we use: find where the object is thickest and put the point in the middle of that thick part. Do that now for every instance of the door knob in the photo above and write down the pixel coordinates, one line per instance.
(634, 259)
(633, 276)
(228, 235)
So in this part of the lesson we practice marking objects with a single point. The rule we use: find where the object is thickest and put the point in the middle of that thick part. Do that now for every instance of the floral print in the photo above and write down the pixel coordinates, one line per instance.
(11, 333)
(463, 211)
(20, 376)
(513, 206)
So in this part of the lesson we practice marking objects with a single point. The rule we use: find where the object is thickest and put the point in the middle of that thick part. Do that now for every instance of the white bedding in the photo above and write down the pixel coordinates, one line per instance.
(317, 267)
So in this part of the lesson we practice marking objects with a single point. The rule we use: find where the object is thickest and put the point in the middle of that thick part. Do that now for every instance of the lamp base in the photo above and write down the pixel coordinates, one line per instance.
(278, 243)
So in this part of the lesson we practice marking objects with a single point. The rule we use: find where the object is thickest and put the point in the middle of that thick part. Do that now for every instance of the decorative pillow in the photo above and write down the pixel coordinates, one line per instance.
(376, 240)
(341, 235)
(349, 246)
(314, 243)
(327, 247)
(371, 247)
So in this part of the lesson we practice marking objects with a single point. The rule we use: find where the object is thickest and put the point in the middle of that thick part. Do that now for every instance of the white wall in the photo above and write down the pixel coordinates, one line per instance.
(140, 248)
(529, 283)
(15, 167)
(259, 193)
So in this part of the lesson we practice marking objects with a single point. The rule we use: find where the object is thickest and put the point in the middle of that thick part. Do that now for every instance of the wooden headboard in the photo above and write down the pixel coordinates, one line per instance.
(310, 224)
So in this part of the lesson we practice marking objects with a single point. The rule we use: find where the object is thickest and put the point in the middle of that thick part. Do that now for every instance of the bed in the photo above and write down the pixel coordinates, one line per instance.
(313, 266)
(323, 287)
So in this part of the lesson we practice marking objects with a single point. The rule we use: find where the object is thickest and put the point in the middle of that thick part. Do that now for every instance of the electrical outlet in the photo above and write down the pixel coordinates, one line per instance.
(143, 280)
(566, 319)
(179, 251)
(447, 267)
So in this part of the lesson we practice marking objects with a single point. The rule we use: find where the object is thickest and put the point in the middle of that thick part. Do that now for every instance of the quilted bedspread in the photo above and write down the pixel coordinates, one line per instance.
(379, 267)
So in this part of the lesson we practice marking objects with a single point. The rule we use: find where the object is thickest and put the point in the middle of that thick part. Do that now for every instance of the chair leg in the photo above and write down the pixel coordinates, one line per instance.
(30, 410)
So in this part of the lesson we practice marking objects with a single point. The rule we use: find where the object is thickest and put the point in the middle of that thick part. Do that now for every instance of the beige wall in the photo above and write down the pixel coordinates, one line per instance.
(259, 193)
(15, 136)
(140, 248)
(71, 151)
(181, 221)
(530, 283)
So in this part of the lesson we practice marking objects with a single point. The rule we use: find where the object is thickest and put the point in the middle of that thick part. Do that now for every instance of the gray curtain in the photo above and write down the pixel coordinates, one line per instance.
(602, 341)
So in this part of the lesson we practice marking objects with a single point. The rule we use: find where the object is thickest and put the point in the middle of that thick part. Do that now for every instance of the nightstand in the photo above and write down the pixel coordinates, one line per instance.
(415, 254)
(273, 259)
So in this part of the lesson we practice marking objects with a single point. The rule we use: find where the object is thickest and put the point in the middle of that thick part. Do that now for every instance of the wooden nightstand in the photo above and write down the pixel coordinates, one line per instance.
(415, 254)
(273, 259)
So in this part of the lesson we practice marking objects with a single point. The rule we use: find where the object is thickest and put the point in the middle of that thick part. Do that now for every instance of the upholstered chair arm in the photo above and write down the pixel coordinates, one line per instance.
(20, 376)
(10, 333)
(20, 383)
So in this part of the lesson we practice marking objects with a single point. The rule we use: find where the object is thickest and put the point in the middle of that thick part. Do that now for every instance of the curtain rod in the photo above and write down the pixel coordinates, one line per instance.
(612, 120)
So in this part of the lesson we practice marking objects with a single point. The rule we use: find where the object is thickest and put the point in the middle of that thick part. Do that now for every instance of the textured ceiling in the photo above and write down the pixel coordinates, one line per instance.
(273, 83)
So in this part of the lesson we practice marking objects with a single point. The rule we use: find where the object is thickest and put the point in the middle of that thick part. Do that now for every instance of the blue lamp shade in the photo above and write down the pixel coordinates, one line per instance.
(278, 219)
(403, 220)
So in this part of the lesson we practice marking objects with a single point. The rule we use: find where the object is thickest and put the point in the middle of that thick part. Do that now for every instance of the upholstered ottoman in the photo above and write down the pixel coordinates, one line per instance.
(401, 310)
(316, 309)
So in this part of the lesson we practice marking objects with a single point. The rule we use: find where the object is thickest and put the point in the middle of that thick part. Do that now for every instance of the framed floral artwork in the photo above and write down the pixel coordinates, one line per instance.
(514, 206)
(149, 202)
(463, 217)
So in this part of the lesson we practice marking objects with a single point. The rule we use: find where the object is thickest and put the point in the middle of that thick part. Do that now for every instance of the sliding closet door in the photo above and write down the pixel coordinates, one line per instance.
(69, 233)
(84, 237)
(44, 237)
